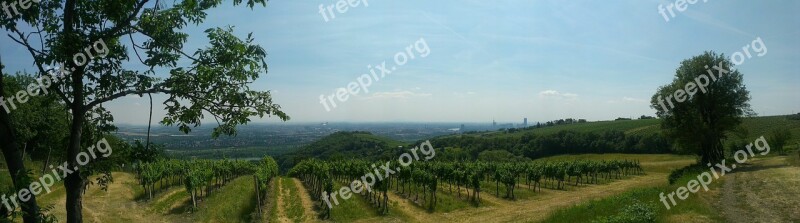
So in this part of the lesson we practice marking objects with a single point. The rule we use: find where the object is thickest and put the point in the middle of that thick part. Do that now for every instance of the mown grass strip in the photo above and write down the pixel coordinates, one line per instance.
(235, 202)
(293, 205)
(637, 205)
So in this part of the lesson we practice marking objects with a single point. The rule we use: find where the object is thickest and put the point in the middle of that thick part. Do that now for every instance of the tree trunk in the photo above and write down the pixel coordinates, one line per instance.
(74, 182)
(194, 199)
(24, 147)
(47, 160)
(712, 152)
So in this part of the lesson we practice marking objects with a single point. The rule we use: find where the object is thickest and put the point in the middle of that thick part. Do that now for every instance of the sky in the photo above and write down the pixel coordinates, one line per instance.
(478, 61)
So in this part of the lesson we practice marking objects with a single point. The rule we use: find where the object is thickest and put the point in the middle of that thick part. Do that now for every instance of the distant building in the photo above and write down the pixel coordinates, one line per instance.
(525, 122)
(494, 123)
(462, 127)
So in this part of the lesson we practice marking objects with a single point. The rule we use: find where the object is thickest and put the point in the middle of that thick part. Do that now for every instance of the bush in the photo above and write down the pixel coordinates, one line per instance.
(778, 139)
(638, 212)
(677, 174)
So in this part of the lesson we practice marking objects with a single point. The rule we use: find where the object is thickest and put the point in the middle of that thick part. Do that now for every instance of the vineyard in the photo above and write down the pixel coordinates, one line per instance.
(421, 182)
(203, 177)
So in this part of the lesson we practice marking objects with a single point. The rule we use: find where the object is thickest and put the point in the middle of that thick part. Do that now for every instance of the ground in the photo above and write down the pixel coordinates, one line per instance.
(768, 190)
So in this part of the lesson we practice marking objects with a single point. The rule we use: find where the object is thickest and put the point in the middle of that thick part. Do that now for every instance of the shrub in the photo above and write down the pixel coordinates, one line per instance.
(637, 212)
(677, 174)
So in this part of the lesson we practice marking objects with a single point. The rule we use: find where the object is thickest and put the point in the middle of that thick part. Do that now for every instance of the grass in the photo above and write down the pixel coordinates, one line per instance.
(445, 201)
(160, 188)
(520, 193)
(352, 209)
(235, 202)
(164, 205)
(794, 158)
(293, 206)
(696, 206)
(762, 126)
(272, 200)
(5, 178)
(358, 208)
(661, 163)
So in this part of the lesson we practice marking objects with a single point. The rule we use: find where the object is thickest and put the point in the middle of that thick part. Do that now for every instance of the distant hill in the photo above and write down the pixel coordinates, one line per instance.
(756, 127)
(641, 127)
(621, 136)
(346, 145)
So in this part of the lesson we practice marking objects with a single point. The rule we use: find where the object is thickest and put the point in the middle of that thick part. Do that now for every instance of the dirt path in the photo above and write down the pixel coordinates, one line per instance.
(305, 198)
(767, 190)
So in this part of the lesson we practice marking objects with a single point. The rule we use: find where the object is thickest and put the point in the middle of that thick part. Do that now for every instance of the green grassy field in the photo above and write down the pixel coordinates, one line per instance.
(640, 205)
(352, 209)
(762, 126)
(236, 200)
(163, 205)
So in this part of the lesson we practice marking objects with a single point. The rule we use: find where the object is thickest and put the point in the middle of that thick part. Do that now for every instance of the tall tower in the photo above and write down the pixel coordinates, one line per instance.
(525, 122)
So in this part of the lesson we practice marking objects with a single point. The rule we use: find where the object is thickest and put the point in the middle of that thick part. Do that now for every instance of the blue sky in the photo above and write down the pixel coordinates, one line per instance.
(501, 60)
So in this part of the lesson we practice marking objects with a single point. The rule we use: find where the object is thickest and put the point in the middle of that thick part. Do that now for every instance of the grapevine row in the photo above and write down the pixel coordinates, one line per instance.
(202, 177)
(423, 179)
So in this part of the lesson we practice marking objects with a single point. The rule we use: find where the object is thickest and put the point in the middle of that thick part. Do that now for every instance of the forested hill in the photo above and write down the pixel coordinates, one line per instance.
(345, 145)
(623, 136)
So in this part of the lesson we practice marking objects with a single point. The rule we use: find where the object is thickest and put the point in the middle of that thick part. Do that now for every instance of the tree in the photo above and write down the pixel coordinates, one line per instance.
(39, 124)
(96, 40)
(11, 152)
(778, 139)
(698, 110)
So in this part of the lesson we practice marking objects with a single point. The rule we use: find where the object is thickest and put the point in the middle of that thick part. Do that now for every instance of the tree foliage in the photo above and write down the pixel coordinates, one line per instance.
(211, 81)
(701, 122)
(778, 139)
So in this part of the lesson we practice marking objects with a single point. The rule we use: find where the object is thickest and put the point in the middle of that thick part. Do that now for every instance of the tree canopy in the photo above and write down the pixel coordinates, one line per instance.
(705, 101)
(110, 49)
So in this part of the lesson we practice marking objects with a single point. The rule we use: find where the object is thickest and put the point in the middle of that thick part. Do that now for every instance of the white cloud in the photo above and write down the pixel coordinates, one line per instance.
(633, 99)
(556, 94)
(627, 99)
(396, 94)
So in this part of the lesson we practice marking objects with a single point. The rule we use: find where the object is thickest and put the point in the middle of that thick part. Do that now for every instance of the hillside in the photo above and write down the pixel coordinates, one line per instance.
(641, 126)
(755, 126)
(624, 136)
(344, 145)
